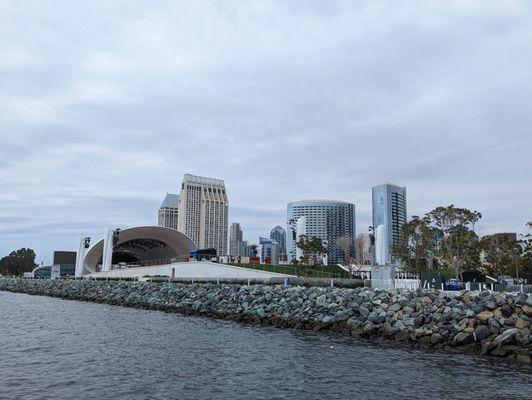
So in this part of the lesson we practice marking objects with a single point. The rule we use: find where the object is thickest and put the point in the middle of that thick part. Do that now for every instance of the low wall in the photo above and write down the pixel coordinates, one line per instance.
(485, 323)
(191, 270)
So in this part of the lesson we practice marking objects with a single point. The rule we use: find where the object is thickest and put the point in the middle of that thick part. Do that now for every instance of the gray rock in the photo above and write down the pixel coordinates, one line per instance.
(402, 300)
(321, 300)
(394, 307)
(363, 311)
(506, 310)
(482, 332)
(463, 338)
(507, 336)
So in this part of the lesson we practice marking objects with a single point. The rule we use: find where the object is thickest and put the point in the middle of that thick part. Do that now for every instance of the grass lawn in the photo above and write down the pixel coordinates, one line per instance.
(319, 271)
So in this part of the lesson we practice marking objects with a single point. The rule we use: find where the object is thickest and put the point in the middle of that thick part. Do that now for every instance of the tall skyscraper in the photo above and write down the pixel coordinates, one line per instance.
(168, 211)
(203, 212)
(389, 210)
(279, 235)
(326, 219)
(236, 240)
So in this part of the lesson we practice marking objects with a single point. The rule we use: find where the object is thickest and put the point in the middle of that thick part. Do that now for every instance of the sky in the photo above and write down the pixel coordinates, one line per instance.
(105, 105)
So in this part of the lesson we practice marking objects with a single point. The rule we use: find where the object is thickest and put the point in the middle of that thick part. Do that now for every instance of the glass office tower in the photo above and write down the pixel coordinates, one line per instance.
(389, 209)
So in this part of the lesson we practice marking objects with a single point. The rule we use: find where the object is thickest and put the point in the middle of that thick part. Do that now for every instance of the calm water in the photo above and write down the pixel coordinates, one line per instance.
(56, 349)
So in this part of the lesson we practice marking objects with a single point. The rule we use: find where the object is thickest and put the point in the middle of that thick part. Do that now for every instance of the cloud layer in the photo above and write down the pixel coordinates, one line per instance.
(105, 105)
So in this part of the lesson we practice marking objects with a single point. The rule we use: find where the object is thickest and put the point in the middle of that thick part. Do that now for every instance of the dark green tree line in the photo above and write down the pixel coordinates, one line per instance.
(18, 262)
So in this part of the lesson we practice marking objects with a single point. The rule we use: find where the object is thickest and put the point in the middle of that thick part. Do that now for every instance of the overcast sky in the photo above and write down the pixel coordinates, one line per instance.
(104, 105)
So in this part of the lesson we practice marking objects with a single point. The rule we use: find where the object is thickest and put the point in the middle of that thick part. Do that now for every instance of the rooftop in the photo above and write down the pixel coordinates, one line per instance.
(171, 200)
(320, 201)
(204, 180)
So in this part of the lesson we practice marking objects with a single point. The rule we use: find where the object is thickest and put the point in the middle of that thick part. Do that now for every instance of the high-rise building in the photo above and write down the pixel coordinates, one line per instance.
(247, 248)
(389, 210)
(203, 212)
(168, 211)
(236, 240)
(279, 235)
(326, 219)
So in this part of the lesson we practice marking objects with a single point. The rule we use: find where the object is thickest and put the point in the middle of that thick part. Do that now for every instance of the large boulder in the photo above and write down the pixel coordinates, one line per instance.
(485, 315)
(527, 310)
(482, 332)
(507, 336)
(463, 338)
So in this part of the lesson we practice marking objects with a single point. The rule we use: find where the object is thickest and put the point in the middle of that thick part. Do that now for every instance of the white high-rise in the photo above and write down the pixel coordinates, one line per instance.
(203, 212)
(168, 211)
(327, 219)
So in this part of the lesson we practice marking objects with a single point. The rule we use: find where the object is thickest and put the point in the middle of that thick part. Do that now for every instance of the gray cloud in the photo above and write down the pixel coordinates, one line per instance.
(105, 105)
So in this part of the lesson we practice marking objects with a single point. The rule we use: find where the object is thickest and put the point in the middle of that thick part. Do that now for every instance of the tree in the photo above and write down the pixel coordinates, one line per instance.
(499, 252)
(459, 245)
(346, 245)
(416, 244)
(253, 250)
(310, 247)
(525, 261)
(18, 262)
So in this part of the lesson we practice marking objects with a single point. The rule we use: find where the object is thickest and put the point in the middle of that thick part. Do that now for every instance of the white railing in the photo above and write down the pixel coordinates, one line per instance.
(391, 284)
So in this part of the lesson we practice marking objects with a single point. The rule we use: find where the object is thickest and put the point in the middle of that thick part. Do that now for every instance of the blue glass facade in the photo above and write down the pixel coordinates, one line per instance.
(279, 235)
(45, 272)
(389, 209)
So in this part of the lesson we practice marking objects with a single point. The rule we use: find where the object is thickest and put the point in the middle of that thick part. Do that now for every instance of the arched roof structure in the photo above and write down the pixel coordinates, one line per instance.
(143, 243)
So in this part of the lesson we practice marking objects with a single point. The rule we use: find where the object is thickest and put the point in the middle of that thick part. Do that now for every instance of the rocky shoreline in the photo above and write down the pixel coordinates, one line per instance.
(484, 323)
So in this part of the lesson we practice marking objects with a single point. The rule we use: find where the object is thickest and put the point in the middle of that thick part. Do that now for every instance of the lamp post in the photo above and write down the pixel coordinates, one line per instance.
(371, 229)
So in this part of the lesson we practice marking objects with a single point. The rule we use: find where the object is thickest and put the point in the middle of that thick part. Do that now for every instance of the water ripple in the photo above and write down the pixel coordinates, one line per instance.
(56, 349)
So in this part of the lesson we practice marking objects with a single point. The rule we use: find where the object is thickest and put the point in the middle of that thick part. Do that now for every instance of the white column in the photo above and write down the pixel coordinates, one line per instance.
(259, 253)
(381, 245)
(301, 229)
(80, 257)
(107, 250)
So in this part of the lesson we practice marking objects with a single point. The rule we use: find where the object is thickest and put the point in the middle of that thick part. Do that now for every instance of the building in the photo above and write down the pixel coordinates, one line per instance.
(168, 211)
(203, 212)
(326, 219)
(279, 235)
(236, 241)
(389, 210)
(153, 251)
(64, 264)
(269, 251)
(150, 245)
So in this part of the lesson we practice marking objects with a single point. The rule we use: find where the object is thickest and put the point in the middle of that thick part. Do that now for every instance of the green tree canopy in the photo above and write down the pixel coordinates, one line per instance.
(416, 244)
(499, 253)
(310, 246)
(18, 262)
(526, 253)
(459, 247)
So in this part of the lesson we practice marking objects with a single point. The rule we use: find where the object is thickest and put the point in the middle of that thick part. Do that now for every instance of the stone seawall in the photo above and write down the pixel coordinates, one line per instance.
(484, 323)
